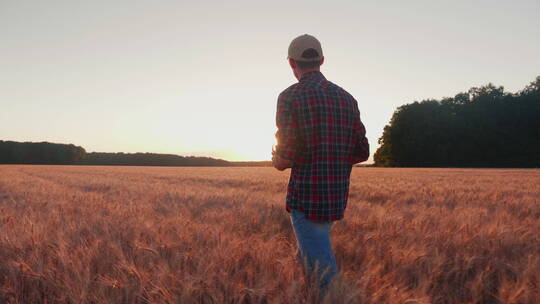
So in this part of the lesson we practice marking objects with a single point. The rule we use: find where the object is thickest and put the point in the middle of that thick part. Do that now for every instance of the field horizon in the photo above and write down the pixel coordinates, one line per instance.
(107, 234)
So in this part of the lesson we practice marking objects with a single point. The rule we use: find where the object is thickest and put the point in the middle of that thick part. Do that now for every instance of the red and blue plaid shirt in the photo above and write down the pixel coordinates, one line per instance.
(320, 131)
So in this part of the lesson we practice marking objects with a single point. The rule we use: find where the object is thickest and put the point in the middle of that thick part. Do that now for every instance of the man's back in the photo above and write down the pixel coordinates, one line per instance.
(319, 129)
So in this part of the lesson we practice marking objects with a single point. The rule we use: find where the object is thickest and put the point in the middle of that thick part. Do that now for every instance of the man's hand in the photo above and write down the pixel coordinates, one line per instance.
(280, 163)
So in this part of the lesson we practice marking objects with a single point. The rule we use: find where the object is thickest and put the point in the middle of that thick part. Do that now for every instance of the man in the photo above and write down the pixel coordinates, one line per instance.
(320, 136)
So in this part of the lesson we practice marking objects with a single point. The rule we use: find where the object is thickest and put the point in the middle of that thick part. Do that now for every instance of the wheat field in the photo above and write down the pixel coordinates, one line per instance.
(72, 234)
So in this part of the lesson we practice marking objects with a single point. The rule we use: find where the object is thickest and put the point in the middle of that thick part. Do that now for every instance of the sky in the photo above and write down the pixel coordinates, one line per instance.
(202, 77)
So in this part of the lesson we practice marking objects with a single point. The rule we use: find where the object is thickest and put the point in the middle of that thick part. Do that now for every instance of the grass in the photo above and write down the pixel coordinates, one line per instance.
(73, 234)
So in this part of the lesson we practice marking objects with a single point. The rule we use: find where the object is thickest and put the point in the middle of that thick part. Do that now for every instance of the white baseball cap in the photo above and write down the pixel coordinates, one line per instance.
(299, 46)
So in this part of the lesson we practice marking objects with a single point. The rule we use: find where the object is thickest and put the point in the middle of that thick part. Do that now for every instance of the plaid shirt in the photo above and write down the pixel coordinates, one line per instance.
(320, 131)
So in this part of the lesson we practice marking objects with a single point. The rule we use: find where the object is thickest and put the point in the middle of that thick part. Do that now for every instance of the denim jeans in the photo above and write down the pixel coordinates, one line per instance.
(314, 248)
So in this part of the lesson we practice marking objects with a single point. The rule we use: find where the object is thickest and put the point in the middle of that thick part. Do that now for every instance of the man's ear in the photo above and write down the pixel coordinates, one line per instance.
(322, 60)
(292, 63)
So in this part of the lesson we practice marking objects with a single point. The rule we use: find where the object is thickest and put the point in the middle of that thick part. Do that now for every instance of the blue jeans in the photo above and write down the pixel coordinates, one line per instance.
(314, 248)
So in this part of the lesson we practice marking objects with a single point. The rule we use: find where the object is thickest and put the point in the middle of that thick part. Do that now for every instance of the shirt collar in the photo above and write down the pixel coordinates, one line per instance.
(311, 75)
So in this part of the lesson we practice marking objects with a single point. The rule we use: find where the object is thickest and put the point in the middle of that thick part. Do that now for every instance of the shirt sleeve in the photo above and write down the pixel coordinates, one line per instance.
(287, 132)
(361, 146)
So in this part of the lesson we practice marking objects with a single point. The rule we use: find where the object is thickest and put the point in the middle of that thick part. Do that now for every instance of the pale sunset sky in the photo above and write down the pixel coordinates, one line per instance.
(202, 77)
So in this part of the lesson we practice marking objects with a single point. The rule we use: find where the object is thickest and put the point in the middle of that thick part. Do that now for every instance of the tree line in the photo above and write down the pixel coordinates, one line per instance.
(12, 152)
(149, 159)
(483, 127)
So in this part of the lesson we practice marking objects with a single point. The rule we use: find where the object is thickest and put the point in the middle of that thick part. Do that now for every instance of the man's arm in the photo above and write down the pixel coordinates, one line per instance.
(286, 135)
(361, 146)
(280, 163)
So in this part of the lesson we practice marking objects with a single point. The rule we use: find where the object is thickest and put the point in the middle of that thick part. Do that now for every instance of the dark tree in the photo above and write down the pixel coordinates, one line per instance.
(485, 127)
(12, 152)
